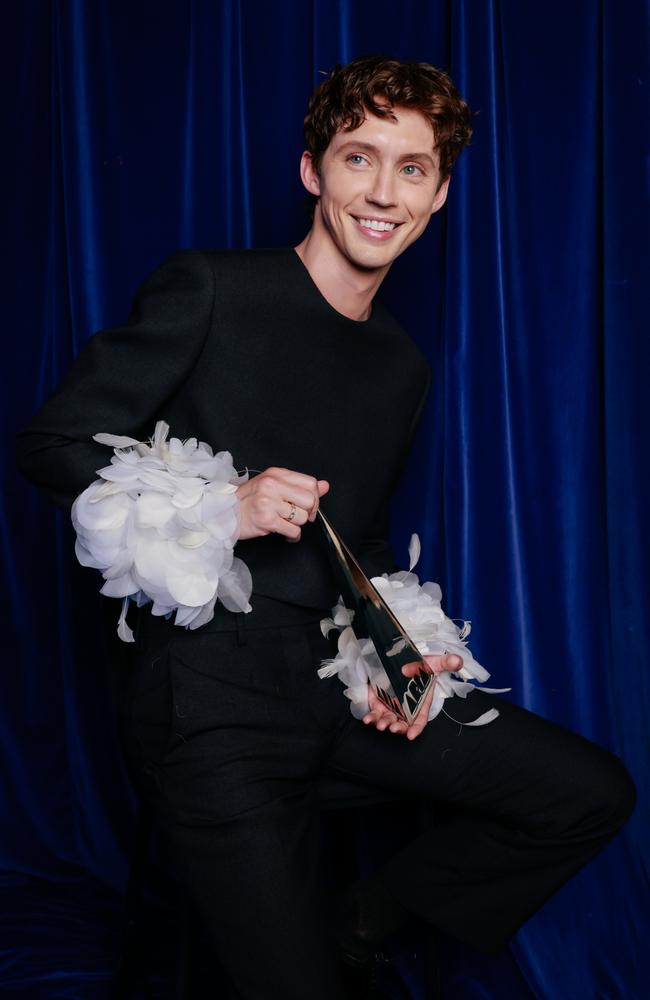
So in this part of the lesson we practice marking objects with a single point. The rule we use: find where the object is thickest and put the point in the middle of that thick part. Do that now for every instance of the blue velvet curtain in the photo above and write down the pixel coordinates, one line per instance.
(140, 128)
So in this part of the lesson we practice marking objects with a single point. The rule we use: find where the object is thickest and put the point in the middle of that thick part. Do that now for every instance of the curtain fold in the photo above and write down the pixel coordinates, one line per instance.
(138, 129)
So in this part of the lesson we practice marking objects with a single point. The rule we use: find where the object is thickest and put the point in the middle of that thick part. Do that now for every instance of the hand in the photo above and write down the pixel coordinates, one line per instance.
(382, 717)
(267, 502)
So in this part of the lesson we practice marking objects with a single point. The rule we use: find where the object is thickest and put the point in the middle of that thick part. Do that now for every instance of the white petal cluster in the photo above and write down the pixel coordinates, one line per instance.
(161, 524)
(418, 609)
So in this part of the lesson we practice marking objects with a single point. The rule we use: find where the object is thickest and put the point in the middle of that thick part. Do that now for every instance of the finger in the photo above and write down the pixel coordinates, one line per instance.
(416, 666)
(453, 662)
(387, 719)
(373, 716)
(297, 481)
(434, 664)
(300, 479)
(292, 494)
(291, 512)
(384, 719)
(277, 487)
(379, 715)
(323, 488)
(378, 711)
(445, 663)
(292, 532)
(422, 717)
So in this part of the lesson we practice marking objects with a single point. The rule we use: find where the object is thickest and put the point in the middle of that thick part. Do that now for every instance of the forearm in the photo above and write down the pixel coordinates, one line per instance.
(60, 467)
(121, 379)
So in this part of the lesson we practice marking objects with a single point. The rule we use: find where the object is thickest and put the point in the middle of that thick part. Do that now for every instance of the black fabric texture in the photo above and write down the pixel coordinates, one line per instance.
(240, 349)
(241, 746)
(237, 741)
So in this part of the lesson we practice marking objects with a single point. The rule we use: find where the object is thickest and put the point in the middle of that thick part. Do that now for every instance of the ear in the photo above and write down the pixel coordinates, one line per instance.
(309, 175)
(440, 196)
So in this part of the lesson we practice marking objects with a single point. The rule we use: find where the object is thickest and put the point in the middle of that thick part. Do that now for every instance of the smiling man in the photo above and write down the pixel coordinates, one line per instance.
(376, 192)
(287, 360)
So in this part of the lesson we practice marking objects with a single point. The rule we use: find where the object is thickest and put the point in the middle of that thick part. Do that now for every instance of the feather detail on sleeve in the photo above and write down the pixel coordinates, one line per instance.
(161, 524)
(418, 609)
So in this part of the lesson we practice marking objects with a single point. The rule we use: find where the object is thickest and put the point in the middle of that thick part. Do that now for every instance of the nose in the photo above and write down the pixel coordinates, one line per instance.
(382, 190)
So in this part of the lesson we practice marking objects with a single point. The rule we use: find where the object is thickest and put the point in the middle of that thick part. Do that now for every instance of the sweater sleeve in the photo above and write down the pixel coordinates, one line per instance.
(121, 378)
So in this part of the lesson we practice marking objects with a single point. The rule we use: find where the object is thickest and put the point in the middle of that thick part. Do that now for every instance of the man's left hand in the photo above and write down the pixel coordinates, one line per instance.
(382, 718)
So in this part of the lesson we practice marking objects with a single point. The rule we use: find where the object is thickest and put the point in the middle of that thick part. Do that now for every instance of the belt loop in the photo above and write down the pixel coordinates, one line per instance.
(241, 631)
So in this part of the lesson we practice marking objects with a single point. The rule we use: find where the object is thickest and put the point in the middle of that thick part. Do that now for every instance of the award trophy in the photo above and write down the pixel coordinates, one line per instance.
(375, 620)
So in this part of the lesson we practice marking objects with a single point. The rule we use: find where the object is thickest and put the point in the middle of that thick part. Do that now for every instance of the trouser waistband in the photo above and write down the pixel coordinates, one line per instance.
(266, 613)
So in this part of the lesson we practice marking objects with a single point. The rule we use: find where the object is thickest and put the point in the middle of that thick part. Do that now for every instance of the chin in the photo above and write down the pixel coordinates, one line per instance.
(373, 257)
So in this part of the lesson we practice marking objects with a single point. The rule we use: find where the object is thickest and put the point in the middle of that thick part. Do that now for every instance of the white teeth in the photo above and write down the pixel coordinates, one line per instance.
(374, 224)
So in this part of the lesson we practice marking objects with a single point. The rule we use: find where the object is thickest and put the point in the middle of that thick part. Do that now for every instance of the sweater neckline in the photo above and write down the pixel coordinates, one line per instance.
(328, 305)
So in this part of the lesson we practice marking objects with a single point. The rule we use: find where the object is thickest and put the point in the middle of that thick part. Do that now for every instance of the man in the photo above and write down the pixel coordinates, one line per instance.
(281, 357)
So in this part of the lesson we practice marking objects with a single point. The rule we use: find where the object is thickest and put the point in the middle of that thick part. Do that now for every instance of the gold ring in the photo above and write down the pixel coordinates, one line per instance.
(293, 511)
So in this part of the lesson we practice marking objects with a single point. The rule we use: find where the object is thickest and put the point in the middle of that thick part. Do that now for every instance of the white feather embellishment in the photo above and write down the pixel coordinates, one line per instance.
(414, 551)
(418, 609)
(161, 524)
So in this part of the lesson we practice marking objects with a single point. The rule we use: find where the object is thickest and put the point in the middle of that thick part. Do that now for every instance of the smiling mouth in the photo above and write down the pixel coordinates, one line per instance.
(376, 225)
(376, 229)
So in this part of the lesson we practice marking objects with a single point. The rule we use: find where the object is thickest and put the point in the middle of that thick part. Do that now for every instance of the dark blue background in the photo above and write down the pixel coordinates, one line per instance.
(137, 128)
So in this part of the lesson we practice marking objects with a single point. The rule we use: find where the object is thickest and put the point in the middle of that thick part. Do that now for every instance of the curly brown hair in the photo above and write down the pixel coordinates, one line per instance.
(341, 102)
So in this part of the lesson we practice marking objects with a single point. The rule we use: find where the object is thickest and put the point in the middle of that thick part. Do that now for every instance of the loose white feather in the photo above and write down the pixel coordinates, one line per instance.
(489, 716)
(414, 551)
(115, 440)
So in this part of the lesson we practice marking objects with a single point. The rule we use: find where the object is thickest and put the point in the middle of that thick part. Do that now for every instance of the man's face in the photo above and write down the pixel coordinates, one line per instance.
(377, 187)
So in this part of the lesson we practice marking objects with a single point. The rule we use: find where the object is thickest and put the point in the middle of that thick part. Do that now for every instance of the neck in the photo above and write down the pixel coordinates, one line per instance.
(348, 288)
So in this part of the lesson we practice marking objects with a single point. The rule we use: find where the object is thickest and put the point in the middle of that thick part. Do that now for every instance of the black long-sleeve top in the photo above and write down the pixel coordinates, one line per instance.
(240, 349)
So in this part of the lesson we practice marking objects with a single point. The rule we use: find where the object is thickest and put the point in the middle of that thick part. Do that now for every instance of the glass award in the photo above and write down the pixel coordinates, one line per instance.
(374, 619)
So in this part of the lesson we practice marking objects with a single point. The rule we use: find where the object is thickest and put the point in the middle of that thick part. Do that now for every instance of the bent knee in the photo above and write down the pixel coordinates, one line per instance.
(621, 791)
(612, 793)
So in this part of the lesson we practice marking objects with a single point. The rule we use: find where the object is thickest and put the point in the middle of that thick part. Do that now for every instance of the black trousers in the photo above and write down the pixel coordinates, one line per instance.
(240, 744)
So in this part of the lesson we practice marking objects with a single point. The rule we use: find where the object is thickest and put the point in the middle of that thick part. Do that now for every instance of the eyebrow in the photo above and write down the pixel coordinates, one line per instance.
(373, 149)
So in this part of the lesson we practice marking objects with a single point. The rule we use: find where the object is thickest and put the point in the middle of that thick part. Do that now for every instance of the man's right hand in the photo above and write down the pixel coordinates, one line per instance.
(280, 501)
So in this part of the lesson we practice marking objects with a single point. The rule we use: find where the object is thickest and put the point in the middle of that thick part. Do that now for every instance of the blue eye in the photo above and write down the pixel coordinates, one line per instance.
(356, 156)
(412, 166)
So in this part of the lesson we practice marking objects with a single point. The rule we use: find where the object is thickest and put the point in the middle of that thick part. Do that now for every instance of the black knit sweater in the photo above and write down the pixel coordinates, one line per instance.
(239, 348)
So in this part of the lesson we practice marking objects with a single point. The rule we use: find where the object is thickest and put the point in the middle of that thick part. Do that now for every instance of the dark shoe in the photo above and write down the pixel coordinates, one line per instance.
(367, 915)
(359, 978)
(368, 978)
